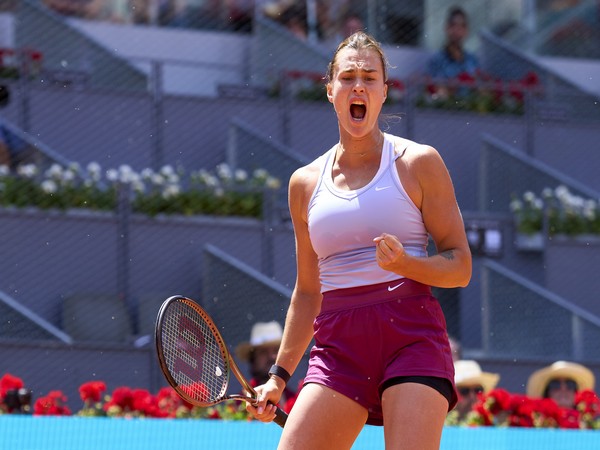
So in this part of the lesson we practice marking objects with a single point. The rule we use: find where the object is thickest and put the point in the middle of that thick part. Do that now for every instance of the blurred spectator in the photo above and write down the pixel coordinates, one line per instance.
(455, 348)
(351, 23)
(294, 19)
(261, 350)
(560, 382)
(4, 147)
(14, 149)
(239, 14)
(260, 353)
(470, 383)
(340, 28)
(73, 8)
(453, 59)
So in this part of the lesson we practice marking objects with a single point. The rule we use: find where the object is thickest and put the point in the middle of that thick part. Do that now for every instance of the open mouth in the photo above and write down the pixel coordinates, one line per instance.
(358, 110)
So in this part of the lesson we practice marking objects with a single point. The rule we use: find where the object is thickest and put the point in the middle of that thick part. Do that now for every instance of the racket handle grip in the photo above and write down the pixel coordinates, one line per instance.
(280, 417)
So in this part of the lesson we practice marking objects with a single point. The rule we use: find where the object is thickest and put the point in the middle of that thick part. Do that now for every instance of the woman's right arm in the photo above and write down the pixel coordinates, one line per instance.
(305, 303)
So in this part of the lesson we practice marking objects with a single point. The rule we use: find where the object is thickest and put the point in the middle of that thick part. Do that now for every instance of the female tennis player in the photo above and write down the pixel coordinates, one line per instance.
(362, 216)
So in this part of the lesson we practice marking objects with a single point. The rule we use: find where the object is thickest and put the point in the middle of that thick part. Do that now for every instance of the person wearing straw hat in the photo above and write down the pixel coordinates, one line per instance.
(261, 350)
(471, 381)
(560, 382)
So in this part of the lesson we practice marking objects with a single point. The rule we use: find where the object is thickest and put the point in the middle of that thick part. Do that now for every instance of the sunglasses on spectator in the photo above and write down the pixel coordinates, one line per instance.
(558, 383)
(464, 391)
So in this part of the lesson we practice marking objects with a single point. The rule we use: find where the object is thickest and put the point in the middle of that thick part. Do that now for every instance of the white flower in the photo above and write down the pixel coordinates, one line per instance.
(4, 170)
(68, 176)
(112, 175)
(173, 178)
(138, 186)
(224, 171)
(516, 205)
(54, 171)
(206, 178)
(157, 179)
(167, 171)
(74, 167)
(273, 183)
(126, 174)
(529, 197)
(561, 192)
(147, 174)
(27, 170)
(49, 186)
(241, 175)
(171, 191)
(260, 174)
(94, 171)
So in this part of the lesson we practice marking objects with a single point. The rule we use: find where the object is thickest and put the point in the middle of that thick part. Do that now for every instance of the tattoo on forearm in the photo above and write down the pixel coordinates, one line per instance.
(448, 254)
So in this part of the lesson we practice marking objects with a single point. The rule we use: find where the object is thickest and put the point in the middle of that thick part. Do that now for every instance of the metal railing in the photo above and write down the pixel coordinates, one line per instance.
(20, 323)
(505, 171)
(520, 319)
(69, 54)
(237, 295)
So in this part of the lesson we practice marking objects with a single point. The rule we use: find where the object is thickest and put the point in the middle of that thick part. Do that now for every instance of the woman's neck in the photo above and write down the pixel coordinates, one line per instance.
(364, 148)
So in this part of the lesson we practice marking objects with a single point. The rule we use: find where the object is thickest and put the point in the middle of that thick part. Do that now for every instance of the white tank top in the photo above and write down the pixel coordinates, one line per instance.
(342, 224)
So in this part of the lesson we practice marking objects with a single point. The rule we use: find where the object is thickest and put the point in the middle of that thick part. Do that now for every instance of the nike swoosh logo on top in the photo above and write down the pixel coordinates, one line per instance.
(381, 188)
(391, 288)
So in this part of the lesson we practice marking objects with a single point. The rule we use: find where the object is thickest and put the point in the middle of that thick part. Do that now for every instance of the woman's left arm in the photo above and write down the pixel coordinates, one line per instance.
(434, 194)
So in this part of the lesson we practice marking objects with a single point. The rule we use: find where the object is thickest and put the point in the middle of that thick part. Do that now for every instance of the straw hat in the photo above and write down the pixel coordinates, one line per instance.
(263, 333)
(538, 380)
(274, 9)
(468, 373)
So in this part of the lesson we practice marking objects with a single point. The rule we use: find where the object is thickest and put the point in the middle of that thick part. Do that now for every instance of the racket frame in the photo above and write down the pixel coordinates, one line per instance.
(230, 364)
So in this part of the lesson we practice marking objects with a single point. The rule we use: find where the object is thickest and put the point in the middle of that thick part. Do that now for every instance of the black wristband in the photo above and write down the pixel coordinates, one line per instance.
(280, 372)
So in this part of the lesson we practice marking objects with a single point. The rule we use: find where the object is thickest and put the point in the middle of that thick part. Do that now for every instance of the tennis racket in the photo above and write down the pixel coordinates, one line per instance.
(194, 358)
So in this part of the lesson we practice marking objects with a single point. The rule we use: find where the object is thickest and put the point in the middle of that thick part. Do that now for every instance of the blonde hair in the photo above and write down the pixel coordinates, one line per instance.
(359, 41)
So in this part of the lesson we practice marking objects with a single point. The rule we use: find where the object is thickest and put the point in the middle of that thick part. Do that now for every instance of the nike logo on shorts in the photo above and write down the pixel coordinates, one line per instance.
(391, 288)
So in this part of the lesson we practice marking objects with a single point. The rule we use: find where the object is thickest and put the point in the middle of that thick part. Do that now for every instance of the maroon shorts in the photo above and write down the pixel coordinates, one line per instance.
(369, 335)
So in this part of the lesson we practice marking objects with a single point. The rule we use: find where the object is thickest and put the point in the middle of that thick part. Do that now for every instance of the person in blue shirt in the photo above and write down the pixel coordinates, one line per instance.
(5, 158)
(453, 59)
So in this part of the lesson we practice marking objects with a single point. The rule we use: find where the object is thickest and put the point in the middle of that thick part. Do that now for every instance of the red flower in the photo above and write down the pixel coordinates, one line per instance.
(121, 397)
(587, 401)
(52, 404)
(147, 404)
(169, 401)
(197, 391)
(498, 400)
(466, 79)
(294, 74)
(394, 83)
(483, 414)
(214, 414)
(36, 56)
(92, 391)
(9, 382)
(569, 418)
(531, 80)
(432, 88)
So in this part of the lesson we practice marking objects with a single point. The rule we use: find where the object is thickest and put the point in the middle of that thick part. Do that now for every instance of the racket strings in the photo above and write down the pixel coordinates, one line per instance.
(193, 354)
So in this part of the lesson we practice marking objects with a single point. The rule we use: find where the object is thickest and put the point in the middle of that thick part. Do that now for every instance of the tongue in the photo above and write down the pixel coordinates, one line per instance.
(358, 111)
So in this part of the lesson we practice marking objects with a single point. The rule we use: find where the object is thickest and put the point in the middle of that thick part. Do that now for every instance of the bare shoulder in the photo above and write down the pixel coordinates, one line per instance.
(416, 155)
(306, 176)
